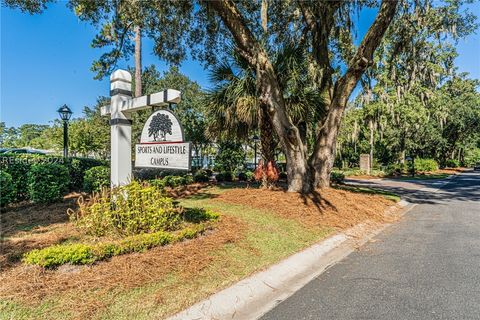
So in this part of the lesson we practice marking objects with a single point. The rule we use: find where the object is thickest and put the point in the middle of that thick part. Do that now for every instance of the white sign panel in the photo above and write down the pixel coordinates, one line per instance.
(161, 143)
(167, 155)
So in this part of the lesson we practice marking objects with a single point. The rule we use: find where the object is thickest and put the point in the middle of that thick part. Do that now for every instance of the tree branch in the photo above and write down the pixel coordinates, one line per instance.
(247, 44)
(363, 58)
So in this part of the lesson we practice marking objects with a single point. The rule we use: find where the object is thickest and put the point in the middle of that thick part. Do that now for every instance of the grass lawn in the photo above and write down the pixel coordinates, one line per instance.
(257, 228)
(426, 176)
(388, 195)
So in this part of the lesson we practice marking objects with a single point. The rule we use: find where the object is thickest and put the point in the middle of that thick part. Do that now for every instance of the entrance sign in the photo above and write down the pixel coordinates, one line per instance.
(175, 156)
(365, 164)
(121, 107)
(161, 143)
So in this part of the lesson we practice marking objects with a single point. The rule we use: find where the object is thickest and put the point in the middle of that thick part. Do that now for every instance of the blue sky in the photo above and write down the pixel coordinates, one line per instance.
(46, 59)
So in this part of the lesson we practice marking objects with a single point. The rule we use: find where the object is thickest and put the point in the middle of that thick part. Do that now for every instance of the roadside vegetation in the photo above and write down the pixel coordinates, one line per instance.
(120, 273)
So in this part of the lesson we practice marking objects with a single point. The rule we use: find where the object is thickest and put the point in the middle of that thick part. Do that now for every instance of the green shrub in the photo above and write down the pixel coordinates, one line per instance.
(472, 156)
(242, 176)
(47, 182)
(137, 208)
(187, 180)
(425, 165)
(230, 156)
(7, 189)
(337, 177)
(96, 178)
(197, 215)
(396, 169)
(201, 176)
(224, 176)
(172, 181)
(18, 166)
(78, 167)
(282, 176)
(60, 254)
(452, 163)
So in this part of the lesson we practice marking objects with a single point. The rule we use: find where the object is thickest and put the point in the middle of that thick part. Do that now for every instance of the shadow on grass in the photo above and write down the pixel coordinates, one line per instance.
(389, 195)
(421, 177)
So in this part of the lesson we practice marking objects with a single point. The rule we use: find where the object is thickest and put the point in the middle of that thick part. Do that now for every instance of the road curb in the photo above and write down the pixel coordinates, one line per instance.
(255, 295)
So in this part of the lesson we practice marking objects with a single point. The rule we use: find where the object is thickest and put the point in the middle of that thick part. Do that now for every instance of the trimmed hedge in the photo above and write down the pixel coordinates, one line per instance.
(96, 178)
(7, 189)
(19, 165)
(78, 167)
(80, 254)
(47, 182)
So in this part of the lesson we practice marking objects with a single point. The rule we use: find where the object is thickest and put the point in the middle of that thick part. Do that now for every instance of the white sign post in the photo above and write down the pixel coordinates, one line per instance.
(120, 109)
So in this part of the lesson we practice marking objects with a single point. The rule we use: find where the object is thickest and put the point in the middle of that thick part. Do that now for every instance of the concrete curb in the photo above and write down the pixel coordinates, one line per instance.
(252, 297)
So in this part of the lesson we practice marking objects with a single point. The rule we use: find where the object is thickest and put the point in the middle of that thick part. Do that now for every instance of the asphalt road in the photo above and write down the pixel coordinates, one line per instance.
(425, 267)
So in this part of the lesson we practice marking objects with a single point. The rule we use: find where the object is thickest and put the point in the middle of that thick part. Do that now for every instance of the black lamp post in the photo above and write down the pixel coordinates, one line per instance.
(65, 114)
(255, 139)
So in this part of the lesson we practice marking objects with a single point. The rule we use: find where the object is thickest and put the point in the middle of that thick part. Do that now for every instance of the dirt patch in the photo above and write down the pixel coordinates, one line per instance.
(31, 283)
(339, 209)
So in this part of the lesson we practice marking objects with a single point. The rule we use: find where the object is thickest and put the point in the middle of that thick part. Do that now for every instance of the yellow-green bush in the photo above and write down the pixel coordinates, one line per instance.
(425, 165)
(80, 254)
(61, 254)
(136, 208)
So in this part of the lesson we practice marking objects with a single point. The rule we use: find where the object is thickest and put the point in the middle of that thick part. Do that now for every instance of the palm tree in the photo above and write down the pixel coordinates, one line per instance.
(235, 111)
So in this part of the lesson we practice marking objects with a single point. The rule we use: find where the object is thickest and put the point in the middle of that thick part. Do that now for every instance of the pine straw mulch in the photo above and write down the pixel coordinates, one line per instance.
(329, 207)
(31, 284)
(27, 226)
(185, 191)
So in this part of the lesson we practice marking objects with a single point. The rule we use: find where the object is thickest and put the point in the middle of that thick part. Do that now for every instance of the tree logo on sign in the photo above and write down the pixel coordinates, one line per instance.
(159, 127)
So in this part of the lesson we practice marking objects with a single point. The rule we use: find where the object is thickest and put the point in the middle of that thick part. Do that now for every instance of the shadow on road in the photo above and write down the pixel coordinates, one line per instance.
(464, 187)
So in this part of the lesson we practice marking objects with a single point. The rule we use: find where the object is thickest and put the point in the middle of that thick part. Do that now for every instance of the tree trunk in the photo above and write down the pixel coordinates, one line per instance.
(138, 61)
(267, 140)
(298, 169)
(323, 156)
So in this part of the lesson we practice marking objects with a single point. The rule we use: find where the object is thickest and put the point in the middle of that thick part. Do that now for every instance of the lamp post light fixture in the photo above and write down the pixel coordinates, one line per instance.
(255, 139)
(65, 114)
